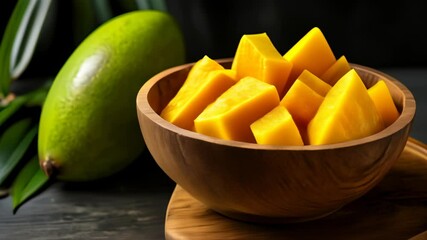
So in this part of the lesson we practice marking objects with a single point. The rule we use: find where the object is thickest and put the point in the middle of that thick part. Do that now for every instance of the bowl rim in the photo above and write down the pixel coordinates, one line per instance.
(406, 116)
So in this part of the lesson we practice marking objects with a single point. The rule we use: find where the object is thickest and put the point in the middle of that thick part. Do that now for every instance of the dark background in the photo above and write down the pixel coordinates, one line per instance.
(378, 34)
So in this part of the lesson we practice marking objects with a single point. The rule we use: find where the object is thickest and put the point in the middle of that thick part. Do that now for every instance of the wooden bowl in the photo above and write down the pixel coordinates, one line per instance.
(263, 183)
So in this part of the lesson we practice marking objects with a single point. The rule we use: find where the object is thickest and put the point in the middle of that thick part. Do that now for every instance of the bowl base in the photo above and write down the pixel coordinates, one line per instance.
(397, 204)
(271, 220)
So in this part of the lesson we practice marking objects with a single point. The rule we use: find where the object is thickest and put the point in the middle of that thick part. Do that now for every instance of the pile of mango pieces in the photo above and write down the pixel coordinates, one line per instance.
(304, 97)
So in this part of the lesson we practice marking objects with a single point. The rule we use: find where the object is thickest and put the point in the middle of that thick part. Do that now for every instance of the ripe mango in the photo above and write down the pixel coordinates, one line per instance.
(88, 126)
(277, 127)
(317, 84)
(302, 102)
(231, 114)
(380, 95)
(312, 52)
(346, 113)
(324, 99)
(336, 71)
(257, 57)
(206, 80)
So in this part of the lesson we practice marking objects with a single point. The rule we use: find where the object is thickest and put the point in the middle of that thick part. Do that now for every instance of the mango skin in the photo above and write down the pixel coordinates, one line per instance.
(88, 125)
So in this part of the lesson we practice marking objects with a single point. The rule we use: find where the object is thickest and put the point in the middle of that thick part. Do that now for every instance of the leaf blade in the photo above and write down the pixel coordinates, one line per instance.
(13, 145)
(28, 35)
(33, 98)
(11, 108)
(7, 45)
(29, 181)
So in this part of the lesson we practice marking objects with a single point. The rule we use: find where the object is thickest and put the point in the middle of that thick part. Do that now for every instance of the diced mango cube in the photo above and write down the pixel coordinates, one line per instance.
(257, 57)
(336, 71)
(231, 114)
(383, 100)
(302, 103)
(346, 113)
(206, 81)
(311, 52)
(314, 82)
(277, 128)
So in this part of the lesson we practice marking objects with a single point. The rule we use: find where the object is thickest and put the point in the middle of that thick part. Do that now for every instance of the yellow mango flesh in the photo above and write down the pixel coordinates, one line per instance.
(230, 115)
(311, 52)
(277, 128)
(346, 113)
(257, 57)
(384, 103)
(206, 81)
(302, 103)
(336, 71)
(324, 100)
(314, 82)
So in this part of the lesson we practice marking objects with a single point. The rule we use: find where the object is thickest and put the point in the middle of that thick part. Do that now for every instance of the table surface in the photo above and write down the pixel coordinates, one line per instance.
(132, 204)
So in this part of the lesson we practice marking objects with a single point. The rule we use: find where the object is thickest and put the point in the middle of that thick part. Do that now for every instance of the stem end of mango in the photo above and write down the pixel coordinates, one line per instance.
(49, 167)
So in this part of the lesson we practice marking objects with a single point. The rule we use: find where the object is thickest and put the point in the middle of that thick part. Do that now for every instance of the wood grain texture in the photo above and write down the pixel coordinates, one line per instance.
(394, 209)
(264, 183)
(130, 205)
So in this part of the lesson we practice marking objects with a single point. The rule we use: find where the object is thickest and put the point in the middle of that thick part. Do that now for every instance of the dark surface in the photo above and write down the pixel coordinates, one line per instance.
(129, 205)
(133, 203)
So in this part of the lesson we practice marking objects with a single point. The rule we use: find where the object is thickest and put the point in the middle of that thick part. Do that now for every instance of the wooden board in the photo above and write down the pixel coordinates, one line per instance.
(395, 209)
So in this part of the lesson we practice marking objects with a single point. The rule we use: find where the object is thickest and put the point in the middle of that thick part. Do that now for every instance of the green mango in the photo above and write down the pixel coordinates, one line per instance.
(88, 126)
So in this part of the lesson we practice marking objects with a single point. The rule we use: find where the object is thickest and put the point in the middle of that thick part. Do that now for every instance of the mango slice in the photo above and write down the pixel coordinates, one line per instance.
(336, 71)
(257, 57)
(302, 102)
(346, 113)
(384, 103)
(206, 81)
(230, 115)
(314, 82)
(277, 128)
(311, 52)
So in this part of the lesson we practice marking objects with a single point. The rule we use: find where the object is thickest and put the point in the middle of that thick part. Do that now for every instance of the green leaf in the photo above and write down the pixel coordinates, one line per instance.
(103, 10)
(84, 20)
(7, 45)
(151, 4)
(127, 5)
(11, 108)
(37, 96)
(29, 181)
(159, 5)
(34, 98)
(19, 40)
(28, 35)
(13, 145)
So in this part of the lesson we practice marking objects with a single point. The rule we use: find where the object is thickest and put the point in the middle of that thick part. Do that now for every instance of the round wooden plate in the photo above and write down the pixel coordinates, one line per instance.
(395, 209)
